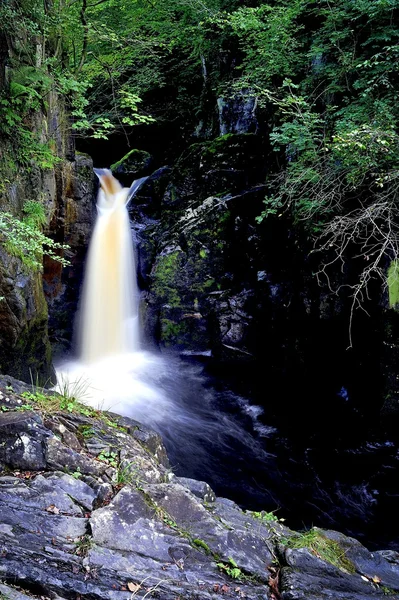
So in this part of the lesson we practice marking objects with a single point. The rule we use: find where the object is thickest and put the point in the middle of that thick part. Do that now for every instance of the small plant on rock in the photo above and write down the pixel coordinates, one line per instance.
(265, 516)
(231, 569)
(109, 457)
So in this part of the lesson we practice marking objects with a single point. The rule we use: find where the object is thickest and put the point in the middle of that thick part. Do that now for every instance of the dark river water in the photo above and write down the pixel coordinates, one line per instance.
(262, 443)
(309, 473)
(266, 444)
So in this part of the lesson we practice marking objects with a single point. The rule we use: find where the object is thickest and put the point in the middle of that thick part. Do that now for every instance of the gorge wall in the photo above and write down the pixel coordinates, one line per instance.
(216, 282)
(63, 189)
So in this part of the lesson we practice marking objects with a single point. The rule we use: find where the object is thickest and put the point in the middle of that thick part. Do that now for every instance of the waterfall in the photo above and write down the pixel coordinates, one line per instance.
(112, 372)
(108, 324)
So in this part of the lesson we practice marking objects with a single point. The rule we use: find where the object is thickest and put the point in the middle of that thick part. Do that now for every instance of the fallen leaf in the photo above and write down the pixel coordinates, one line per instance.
(376, 579)
(274, 583)
(133, 587)
(225, 589)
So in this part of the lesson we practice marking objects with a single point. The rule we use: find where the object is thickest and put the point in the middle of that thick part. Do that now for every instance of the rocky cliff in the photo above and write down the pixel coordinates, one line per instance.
(64, 191)
(91, 509)
(218, 282)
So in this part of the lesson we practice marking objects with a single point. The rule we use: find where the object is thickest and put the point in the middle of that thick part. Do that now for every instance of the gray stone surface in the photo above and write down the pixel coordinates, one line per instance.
(23, 440)
(307, 577)
(199, 488)
(76, 525)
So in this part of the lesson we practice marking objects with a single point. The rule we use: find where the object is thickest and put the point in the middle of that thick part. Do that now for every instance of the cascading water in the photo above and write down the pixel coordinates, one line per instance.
(110, 368)
(109, 315)
(114, 374)
(210, 434)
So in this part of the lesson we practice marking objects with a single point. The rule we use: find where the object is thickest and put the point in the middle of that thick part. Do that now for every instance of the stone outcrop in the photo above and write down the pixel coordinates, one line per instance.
(72, 223)
(135, 164)
(67, 195)
(199, 285)
(237, 113)
(24, 345)
(37, 166)
(90, 508)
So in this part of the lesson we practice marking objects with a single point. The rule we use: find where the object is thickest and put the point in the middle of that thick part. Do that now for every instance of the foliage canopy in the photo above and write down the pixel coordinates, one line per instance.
(324, 75)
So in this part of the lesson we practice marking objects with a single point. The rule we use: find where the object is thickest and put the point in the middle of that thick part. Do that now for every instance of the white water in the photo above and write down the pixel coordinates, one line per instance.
(113, 373)
(109, 314)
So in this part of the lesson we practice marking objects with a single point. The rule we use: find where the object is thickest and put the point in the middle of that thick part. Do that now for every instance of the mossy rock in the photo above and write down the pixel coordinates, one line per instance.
(231, 151)
(183, 329)
(25, 350)
(227, 164)
(135, 163)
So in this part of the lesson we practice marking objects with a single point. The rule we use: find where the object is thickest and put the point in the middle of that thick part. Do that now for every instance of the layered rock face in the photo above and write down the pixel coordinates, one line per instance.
(200, 282)
(90, 508)
(216, 281)
(65, 193)
(72, 223)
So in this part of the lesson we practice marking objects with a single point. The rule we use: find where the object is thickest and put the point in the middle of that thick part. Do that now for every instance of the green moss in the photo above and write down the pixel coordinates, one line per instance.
(201, 544)
(171, 331)
(387, 591)
(209, 283)
(166, 278)
(219, 144)
(393, 284)
(224, 217)
(133, 160)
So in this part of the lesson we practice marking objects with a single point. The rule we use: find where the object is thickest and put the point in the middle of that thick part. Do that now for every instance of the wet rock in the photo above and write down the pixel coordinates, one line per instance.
(150, 194)
(233, 315)
(131, 522)
(115, 525)
(199, 488)
(9, 384)
(72, 224)
(237, 114)
(114, 529)
(247, 550)
(195, 285)
(67, 436)
(13, 594)
(60, 457)
(307, 577)
(151, 440)
(80, 492)
(24, 344)
(23, 440)
(134, 164)
(59, 493)
(373, 565)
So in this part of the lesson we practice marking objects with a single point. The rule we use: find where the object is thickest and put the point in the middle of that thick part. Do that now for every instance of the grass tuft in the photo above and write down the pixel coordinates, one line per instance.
(322, 547)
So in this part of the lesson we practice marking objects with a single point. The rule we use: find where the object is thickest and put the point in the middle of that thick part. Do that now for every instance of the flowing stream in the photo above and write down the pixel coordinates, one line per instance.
(113, 373)
(211, 432)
